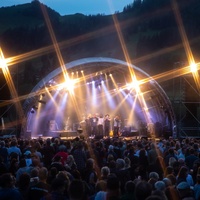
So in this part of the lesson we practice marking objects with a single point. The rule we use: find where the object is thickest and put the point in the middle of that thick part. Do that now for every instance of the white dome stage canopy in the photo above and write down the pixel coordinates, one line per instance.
(97, 85)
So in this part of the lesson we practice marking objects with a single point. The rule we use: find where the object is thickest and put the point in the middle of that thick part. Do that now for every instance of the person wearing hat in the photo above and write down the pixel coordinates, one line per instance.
(27, 156)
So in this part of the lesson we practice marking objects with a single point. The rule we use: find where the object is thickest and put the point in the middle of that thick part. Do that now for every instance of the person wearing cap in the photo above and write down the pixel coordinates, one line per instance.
(27, 156)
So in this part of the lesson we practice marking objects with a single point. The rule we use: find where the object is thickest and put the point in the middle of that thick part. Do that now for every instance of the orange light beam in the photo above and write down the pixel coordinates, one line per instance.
(132, 73)
(185, 41)
(12, 88)
(55, 44)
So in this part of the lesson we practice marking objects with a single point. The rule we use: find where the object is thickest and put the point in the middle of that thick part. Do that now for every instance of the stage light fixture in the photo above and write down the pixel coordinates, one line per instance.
(193, 67)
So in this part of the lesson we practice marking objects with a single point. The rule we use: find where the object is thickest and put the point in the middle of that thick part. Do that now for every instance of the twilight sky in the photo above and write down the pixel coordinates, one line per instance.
(87, 7)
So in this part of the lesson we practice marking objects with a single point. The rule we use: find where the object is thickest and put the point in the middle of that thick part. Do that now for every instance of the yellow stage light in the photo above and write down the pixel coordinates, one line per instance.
(193, 67)
(3, 63)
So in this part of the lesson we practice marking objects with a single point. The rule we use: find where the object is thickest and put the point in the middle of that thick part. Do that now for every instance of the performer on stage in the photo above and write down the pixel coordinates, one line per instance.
(83, 125)
(68, 125)
(88, 122)
(107, 121)
(117, 125)
(94, 122)
(100, 124)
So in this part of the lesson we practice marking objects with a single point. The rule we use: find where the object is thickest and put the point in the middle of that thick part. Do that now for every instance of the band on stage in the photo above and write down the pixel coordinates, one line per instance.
(101, 125)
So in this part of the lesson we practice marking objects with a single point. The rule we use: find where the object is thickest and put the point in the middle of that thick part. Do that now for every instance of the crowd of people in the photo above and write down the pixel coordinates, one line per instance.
(90, 169)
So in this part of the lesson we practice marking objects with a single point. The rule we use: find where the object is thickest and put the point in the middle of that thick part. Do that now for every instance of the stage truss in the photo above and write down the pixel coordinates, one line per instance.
(154, 94)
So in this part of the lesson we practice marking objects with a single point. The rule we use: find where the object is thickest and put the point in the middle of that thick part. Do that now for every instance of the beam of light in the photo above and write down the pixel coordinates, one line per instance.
(186, 44)
(60, 112)
(37, 116)
(182, 32)
(132, 117)
(55, 44)
(130, 107)
(122, 42)
(121, 99)
(109, 98)
(135, 85)
(168, 75)
(131, 71)
(94, 97)
(12, 88)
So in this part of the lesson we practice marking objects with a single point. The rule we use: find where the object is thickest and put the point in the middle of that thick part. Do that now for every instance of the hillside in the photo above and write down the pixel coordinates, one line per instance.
(147, 29)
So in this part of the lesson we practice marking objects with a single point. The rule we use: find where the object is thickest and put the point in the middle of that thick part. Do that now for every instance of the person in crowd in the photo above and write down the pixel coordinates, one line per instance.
(197, 188)
(153, 153)
(34, 176)
(23, 185)
(112, 191)
(77, 190)
(170, 153)
(57, 163)
(182, 175)
(28, 158)
(101, 185)
(90, 174)
(40, 189)
(22, 168)
(129, 191)
(184, 191)
(190, 159)
(3, 166)
(111, 152)
(143, 190)
(14, 149)
(143, 165)
(48, 153)
(70, 165)
(122, 173)
(80, 157)
(4, 152)
(105, 172)
(57, 190)
(36, 151)
(8, 189)
(63, 154)
(153, 178)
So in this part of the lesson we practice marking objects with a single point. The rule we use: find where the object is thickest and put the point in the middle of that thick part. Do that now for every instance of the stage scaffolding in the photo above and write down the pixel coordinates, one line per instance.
(186, 103)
